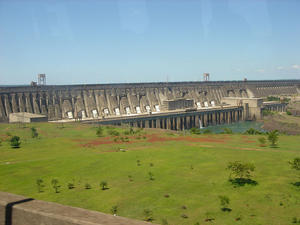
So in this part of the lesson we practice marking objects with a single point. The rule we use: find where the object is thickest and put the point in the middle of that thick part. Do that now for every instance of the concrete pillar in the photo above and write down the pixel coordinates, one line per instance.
(215, 118)
(147, 123)
(197, 124)
(35, 104)
(168, 123)
(188, 122)
(163, 123)
(178, 123)
(14, 103)
(157, 122)
(21, 102)
(28, 103)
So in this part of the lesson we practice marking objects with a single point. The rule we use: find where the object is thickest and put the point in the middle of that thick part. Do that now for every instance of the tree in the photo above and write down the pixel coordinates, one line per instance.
(241, 172)
(262, 141)
(148, 215)
(34, 133)
(40, 185)
(15, 142)
(295, 164)
(227, 130)
(87, 186)
(99, 131)
(103, 185)
(151, 176)
(224, 202)
(273, 137)
(55, 185)
(114, 210)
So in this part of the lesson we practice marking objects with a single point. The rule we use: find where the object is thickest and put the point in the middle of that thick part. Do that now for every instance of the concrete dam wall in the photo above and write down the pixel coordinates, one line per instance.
(104, 100)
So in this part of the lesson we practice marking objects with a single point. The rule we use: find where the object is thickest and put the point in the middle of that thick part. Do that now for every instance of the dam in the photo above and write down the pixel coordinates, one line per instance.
(134, 102)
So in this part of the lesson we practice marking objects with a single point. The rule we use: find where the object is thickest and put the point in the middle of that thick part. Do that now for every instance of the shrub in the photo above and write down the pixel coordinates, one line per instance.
(227, 130)
(103, 185)
(87, 186)
(130, 178)
(114, 209)
(195, 130)
(71, 185)
(207, 131)
(273, 98)
(241, 170)
(126, 132)
(34, 133)
(273, 137)
(113, 132)
(262, 141)
(224, 203)
(138, 162)
(288, 113)
(267, 112)
(295, 164)
(40, 184)
(151, 176)
(15, 142)
(148, 215)
(99, 131)
(252, 131)
(184, 216)
(55, 185)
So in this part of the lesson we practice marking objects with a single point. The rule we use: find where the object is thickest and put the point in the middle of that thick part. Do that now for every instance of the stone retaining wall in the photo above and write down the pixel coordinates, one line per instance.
(19, 210)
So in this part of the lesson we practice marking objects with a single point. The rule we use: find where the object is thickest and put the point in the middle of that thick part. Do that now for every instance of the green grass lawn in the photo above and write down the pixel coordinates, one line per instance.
(190, 169)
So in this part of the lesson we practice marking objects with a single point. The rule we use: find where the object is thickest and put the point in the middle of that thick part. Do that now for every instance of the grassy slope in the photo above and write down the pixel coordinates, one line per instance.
(58, 153)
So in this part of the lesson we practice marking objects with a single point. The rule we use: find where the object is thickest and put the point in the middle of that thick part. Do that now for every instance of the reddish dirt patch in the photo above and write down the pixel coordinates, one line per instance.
(150, 138)
(156, 138)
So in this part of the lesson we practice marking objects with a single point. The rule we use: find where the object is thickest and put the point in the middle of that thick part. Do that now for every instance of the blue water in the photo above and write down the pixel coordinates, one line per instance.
(239, 127)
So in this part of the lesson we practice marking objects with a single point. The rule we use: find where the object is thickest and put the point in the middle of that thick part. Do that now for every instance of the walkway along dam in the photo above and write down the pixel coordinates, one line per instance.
(172, 105)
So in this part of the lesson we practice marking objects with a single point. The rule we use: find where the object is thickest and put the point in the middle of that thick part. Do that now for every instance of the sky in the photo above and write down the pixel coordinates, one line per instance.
(121, 41)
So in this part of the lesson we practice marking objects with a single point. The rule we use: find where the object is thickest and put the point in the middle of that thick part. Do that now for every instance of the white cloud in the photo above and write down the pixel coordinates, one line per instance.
(280, 68)
(296, 67)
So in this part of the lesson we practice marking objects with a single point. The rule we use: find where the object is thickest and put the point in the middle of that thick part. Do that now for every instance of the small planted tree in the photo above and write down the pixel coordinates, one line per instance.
(55, 185)
(227, 130)
(130, 178)
(34, 133)
(71, 185)
(40, 184)
(15, 142)
(148, 215)
(151, 176)
(103, 185)
(99, 131)
(114, 210)
(241, 172)
(224, 203)
(273, 137)
(87, 186)
(295, 164)
(262, 141)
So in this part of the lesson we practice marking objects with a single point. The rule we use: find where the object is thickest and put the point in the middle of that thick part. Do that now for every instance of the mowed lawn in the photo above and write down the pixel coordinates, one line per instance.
(189, 173)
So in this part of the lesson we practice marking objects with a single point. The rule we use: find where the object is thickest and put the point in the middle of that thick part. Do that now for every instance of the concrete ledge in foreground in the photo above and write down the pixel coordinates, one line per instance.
(19, 210)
